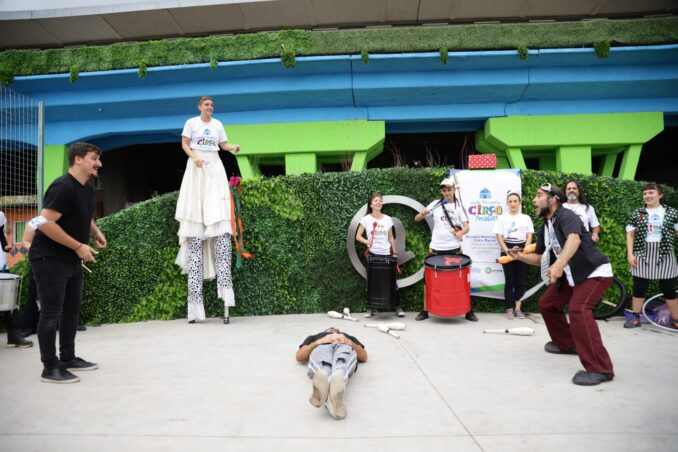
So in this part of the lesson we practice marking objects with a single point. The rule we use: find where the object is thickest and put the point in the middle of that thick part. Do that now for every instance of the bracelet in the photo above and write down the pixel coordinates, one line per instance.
(77, 247)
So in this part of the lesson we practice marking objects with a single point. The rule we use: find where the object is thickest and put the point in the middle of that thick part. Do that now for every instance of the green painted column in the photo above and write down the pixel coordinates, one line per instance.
(300, 163)
(302, 146)
(515, 158)
(630, 162)
(55, 163)
(248, 169)
(547, 163)
(607, 166)
(572, 140)
(573, 159)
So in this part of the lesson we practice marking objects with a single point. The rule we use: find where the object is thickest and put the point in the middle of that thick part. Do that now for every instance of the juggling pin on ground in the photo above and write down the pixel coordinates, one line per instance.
(522, 331)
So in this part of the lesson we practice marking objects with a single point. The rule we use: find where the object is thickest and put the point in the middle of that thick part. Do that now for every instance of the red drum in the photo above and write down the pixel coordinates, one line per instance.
(448, 284)
(381, 281)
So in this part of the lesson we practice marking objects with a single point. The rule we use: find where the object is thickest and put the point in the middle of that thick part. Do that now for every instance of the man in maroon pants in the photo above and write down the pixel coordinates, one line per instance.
(579, 274)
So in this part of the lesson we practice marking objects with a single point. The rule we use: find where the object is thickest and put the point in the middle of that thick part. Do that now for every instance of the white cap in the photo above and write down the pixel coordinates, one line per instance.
(448, 182)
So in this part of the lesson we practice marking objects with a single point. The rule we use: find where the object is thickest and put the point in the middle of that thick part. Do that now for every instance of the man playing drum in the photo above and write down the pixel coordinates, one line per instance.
(450, 224)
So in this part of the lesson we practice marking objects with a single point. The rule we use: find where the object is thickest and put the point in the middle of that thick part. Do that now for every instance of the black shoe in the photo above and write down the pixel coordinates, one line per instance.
(553, 348)
(584, 378)
(81, 328)
(423, 315)
(470, 316)
(79, 364)
(58, 375)
(632, 323)
(28, 332)
(191, 322)
(227, 320)
(18, 341)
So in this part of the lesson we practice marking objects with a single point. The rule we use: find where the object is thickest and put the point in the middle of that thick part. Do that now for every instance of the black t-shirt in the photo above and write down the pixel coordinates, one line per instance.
(587, 257)
(315, 337)
(75, 203)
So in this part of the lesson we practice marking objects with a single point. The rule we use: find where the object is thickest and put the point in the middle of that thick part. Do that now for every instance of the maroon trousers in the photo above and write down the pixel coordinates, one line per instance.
(582, 332)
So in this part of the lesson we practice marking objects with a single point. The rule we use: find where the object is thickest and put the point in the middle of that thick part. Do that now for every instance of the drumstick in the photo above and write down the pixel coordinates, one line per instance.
(85, 267)
(347, 315)
(374, 229)
(384, 329)
(524, 250)
(521, 331)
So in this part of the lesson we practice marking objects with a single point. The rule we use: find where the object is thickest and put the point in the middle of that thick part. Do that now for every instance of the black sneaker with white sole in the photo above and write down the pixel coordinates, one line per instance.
(79, 364)
(58, 375)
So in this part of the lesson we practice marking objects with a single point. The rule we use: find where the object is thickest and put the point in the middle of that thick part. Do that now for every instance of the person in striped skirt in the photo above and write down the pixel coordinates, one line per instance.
(651, 251)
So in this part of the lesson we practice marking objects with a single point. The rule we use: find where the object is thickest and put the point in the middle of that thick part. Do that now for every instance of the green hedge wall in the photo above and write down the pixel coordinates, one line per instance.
(296, 227)
(287, 44)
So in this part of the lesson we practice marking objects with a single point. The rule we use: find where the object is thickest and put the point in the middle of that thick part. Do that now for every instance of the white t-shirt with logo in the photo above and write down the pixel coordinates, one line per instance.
(586, 215)
(205, 136)
(514, 228)
(380, 227)
(443, 237)
(655, 218)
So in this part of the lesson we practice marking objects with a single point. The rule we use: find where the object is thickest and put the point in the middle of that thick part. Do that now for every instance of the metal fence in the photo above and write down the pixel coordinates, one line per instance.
(21, 167)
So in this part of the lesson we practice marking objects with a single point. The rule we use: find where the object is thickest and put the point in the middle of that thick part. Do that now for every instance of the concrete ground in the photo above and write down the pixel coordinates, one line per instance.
(444, 386)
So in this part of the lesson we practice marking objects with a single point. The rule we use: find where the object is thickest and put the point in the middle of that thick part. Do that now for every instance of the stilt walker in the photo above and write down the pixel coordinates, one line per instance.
(204, 211)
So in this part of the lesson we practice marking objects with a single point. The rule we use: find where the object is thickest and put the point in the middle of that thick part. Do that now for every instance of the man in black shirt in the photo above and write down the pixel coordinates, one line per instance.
(332, 357)
(56, 255)
(579, 274)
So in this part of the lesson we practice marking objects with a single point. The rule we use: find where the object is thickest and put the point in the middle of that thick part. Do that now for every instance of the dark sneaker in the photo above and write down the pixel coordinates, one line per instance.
(321, 387)
(82, 327)
(553, 348)
(58, 375)
(19, 342)
(471, 317)
(227, 320)
(584, 378)
(423, 315)
(28, 332)
(400, 312)
(79, 364)
(632, 323)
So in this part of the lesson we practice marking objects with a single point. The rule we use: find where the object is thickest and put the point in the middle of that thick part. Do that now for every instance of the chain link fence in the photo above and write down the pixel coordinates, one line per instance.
(21, 166)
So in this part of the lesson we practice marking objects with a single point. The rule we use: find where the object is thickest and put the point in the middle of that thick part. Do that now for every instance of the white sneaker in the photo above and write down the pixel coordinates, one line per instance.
(335, 401)
(369, 314)
(321, 386)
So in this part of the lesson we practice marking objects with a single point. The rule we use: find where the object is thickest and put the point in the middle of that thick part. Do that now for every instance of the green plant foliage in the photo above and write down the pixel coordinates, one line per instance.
(73, 74)
(6, 76)
(296, 227)
(143, 69)
(602, 49)
(523, 52)
(213, 63)
(288, 59)
(248, 46)
(443, 55)
(364, 56)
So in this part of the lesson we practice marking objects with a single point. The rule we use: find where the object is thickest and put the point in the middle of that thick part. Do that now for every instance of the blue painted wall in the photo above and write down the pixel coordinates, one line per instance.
(410, 92)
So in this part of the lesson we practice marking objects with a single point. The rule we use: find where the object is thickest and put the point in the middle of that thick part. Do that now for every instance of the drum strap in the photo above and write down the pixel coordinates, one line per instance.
(449, 220)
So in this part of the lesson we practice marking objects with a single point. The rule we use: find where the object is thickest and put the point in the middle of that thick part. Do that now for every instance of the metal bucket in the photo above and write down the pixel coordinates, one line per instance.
(9, 291)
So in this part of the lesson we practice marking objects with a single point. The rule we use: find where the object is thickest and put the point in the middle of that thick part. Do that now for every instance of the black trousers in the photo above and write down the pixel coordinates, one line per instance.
(59, 286)
(31, 312)
(514, 275)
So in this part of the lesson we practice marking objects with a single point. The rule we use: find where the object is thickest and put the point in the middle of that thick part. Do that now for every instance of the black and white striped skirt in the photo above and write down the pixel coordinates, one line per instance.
(649, 267)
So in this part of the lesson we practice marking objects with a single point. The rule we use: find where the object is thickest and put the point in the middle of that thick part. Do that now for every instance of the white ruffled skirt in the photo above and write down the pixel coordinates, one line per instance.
(204, 211)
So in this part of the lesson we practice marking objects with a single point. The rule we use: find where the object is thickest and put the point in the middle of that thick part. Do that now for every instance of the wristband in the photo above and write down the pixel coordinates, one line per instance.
(77, 247)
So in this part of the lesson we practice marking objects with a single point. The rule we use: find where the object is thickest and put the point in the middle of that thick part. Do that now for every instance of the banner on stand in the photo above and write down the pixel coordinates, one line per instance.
(483, 194)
